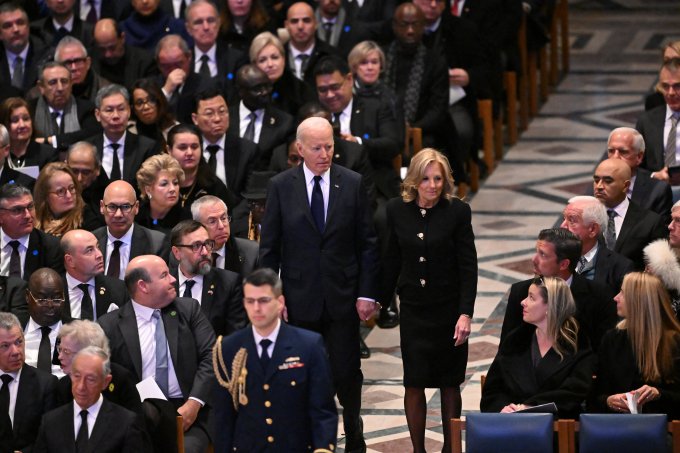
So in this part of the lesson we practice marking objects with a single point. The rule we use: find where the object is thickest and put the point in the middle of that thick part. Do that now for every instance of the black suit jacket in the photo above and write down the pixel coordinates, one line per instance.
(221, 300)
(36, 55)
(382, 138)
(320, 50)
(652, 194)
(44, 28)
(11, 176)
(43, 251)
(650, 124)
(595, 308)
(611, 267)
(136, 64)
(144, 242)
(640, 227)
(39, 154)
(137, 150)
(115, 9)
(185, 104)
(13, 297)
(240, 159)
(229, 59)
(243, 256)
(116, 430)
(88, 124)
(35, 396)
(277, 127)
(190, 339)
(107, 291)
(345, 33)
(334, 266)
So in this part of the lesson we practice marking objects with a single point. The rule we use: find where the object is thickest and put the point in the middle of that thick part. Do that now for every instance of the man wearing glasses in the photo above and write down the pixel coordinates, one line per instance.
(45, 298)
(86, 81)
(122, 239)
(23, 248)
(218, 291)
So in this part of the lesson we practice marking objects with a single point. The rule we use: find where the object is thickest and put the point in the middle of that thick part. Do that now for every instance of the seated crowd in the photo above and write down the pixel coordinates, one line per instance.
(138, 142)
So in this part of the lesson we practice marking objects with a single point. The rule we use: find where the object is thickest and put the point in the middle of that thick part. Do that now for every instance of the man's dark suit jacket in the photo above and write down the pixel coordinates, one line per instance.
(352, 32)
(88, 124)
(35, 397)
(118, 10)
(107, 291)
(382, 138)
(240, 159)
(650, 124)
(221, 300)
(190, 339)
(43, 251)
(595, 308)
(652, 194)
(640, 227)
(186, 103)
(302, 409)
(13, 297)
(137, 150)
(332, 267)
(277, 127)
(135, 64)
(144, 242)
(229, 60)
(116, 430)
(243, 256)
(44, 28)
(611, 267)
(320, 50)
(11, 176)
(34, 57)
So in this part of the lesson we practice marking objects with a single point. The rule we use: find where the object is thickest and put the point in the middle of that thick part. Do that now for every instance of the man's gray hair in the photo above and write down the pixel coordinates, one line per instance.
(4, 136)
(205, 200)
(95, 351)
(638, 139)
(593, 211)
(110, 90)
(9, 320)
(68, 40)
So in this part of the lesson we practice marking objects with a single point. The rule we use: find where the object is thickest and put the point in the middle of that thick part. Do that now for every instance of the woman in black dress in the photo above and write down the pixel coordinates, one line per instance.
(431, 260)
(642, 354)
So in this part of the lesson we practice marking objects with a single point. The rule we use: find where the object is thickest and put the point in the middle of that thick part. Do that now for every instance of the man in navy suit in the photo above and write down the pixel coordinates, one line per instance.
(287, 368)
(317, 231)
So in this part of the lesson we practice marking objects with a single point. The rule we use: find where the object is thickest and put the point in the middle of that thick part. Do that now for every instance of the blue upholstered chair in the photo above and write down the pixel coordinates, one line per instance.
(508, 433)
(623, 433)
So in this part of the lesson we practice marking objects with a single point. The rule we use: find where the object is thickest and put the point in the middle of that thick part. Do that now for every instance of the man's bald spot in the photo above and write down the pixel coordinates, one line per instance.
(143, 262)
(121, 188)
(619, 168)
(313, 123)
(106, 27)
(299, 8)
(44, 275)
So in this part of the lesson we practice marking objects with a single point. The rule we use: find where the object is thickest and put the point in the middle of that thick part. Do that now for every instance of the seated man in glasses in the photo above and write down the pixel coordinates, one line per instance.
(218, 291)
(122, 239)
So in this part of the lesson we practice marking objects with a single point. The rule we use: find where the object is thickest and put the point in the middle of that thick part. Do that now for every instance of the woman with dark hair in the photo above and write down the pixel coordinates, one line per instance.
(59, 206)
(16, 116)
(544, 360)
(185, 144)
(150, 110)
(640, 358)
(241, 20)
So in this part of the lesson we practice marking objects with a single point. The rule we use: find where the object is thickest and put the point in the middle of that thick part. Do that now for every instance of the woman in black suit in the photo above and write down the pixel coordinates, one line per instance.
(544, 360)
(642, 354)
(431, 260)
(16, 116)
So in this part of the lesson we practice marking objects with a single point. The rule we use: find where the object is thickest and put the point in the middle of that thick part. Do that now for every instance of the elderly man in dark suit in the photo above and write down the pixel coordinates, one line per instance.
(586, 217)
(101, 425)
(317, 231)
(122, 239)
(627, 144)
(168, 338)
(26, 393)
(286, 366)
(89, 293)
(218, 291)
(24, 249)
(120, 152)
(557, 253)
(629, 228)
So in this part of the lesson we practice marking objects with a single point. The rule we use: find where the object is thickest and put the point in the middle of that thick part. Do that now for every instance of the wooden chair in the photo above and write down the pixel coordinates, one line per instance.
(412, 144)
(180, 434)
(563, 14)
(523, 88)
(485, 107)
(510, 85)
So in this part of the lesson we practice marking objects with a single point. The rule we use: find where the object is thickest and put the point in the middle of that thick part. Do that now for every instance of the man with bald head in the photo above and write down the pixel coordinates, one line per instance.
(317, 231)
(89, 293)
(629, 227)
(117, 61)
(122, 239)
(167, 338)
(627, 144)
(587, 218)
(257, 120)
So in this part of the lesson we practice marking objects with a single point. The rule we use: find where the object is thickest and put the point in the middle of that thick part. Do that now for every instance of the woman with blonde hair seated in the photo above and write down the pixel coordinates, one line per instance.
(544, 360)
(641, 356)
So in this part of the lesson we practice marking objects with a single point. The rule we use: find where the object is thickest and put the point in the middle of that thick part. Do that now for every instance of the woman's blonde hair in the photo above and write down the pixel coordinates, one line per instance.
(652, 329)
(263, 40)
(361, 51)
(562, 325)
(673, 45)
(416, 172)
(43, 214)
(151, 168)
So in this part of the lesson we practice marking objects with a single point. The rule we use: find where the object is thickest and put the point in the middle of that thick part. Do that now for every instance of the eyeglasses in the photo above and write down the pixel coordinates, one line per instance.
(65, 351)
(259, 300)
(212, 221)
(215, 113)
(125, 208)
(209, 245)
(74, 61)
(19, 210)
(61, 192)
(46, 302)
(139, 103)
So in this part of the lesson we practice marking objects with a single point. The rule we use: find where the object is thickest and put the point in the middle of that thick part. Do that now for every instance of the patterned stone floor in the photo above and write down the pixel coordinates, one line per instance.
(615, 52)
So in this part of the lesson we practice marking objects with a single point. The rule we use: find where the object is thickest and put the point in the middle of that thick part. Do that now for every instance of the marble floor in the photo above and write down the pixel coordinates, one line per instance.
(615, 55)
